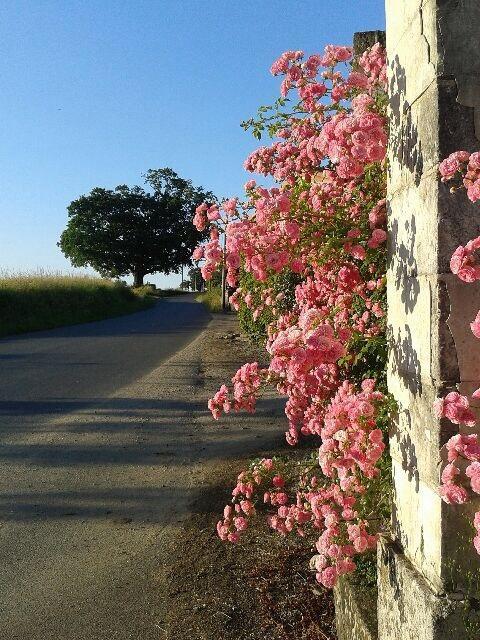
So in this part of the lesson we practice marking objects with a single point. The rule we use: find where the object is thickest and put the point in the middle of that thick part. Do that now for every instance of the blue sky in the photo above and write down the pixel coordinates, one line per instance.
(94, 93)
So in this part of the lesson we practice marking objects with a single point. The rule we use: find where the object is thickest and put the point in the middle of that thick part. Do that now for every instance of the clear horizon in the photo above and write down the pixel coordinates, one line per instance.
(95, 95)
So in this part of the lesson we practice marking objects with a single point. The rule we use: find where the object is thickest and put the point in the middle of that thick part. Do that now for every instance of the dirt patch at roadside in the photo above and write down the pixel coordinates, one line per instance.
(256, 590)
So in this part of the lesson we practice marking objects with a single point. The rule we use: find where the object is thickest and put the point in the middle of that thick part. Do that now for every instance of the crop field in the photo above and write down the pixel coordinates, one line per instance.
(43, 300)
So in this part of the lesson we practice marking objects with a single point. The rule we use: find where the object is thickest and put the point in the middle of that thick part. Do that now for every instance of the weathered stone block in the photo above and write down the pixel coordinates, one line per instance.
(399, 20)
(422, 346)
(436, 537)
(417, 520)
(411, 68)
(413, 238)
(416, 436)
(355, 613)
(408, 609)
(409, 327)
(414, 150)
(434, 108)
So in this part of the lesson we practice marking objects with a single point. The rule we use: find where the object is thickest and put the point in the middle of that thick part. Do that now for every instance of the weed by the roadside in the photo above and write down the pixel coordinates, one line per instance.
(212, 299)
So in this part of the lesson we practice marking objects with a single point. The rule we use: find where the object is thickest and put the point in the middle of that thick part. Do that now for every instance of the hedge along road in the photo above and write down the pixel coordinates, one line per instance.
(82, 457)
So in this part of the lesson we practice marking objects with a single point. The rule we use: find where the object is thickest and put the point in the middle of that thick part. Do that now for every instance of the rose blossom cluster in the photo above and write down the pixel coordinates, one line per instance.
(337, 545)
(303, 363)
(323, 510)
(204, 214)
(269, 299)
(351, 441)
(349, 137)
(212, 253)
(352, 140)
(266, 233)
(463, 262)
(373, 62)
(348, 457)
(327, 512)
(324, 222)
(463, 450)
(460, 448)
(235, 516)
(246, 384)
(349, 140)
(465, 166)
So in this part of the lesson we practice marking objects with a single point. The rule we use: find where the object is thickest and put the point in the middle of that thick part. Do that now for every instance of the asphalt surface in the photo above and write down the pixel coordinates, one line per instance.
(50, 372)
(94, 441)
(107, 450)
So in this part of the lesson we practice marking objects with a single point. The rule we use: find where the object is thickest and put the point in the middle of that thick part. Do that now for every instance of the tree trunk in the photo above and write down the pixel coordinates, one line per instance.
(138, 278)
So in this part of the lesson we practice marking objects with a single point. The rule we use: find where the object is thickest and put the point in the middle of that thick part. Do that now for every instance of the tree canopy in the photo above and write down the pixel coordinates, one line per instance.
(129, 230)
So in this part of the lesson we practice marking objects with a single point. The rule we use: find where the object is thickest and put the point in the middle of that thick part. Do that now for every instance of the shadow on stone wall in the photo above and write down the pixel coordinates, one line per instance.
(404, 361)
(409, 456)
(406, 151)
(402, 261)
(405, 145)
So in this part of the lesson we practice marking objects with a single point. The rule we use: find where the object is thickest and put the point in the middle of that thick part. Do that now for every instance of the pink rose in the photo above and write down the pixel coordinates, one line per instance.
(473, 160)
(449, 167)
(240, 523)
(449, 473)
(328, 577)
(473, 472)
(377, 238)
(358, 252)
(475, 326)
(278, 481)
(197, 253)
(453, 494)
(349, 168)
(473, 190)
(456, 408)
(463, 262)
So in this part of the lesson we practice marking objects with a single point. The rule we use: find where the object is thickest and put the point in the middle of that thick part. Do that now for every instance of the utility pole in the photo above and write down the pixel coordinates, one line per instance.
(224, 282)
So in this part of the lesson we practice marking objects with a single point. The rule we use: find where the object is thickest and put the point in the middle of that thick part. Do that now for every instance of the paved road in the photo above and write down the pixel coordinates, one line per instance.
(50, 372)
(90, 430)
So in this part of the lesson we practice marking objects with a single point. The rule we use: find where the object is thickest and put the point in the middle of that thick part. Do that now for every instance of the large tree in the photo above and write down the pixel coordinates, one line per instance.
(131, 230)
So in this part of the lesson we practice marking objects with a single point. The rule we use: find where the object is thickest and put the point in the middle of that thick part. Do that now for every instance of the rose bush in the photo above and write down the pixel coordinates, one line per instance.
(322, 226)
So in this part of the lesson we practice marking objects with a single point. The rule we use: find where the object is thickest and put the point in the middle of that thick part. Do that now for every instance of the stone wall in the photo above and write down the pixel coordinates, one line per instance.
(434, 72)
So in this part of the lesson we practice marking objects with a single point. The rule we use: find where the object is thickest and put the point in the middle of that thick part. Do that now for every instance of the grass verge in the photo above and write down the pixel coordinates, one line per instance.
(212, 299)
(35, 302)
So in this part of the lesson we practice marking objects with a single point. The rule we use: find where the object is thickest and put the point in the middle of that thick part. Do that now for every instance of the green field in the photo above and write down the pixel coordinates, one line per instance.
(30, 302)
